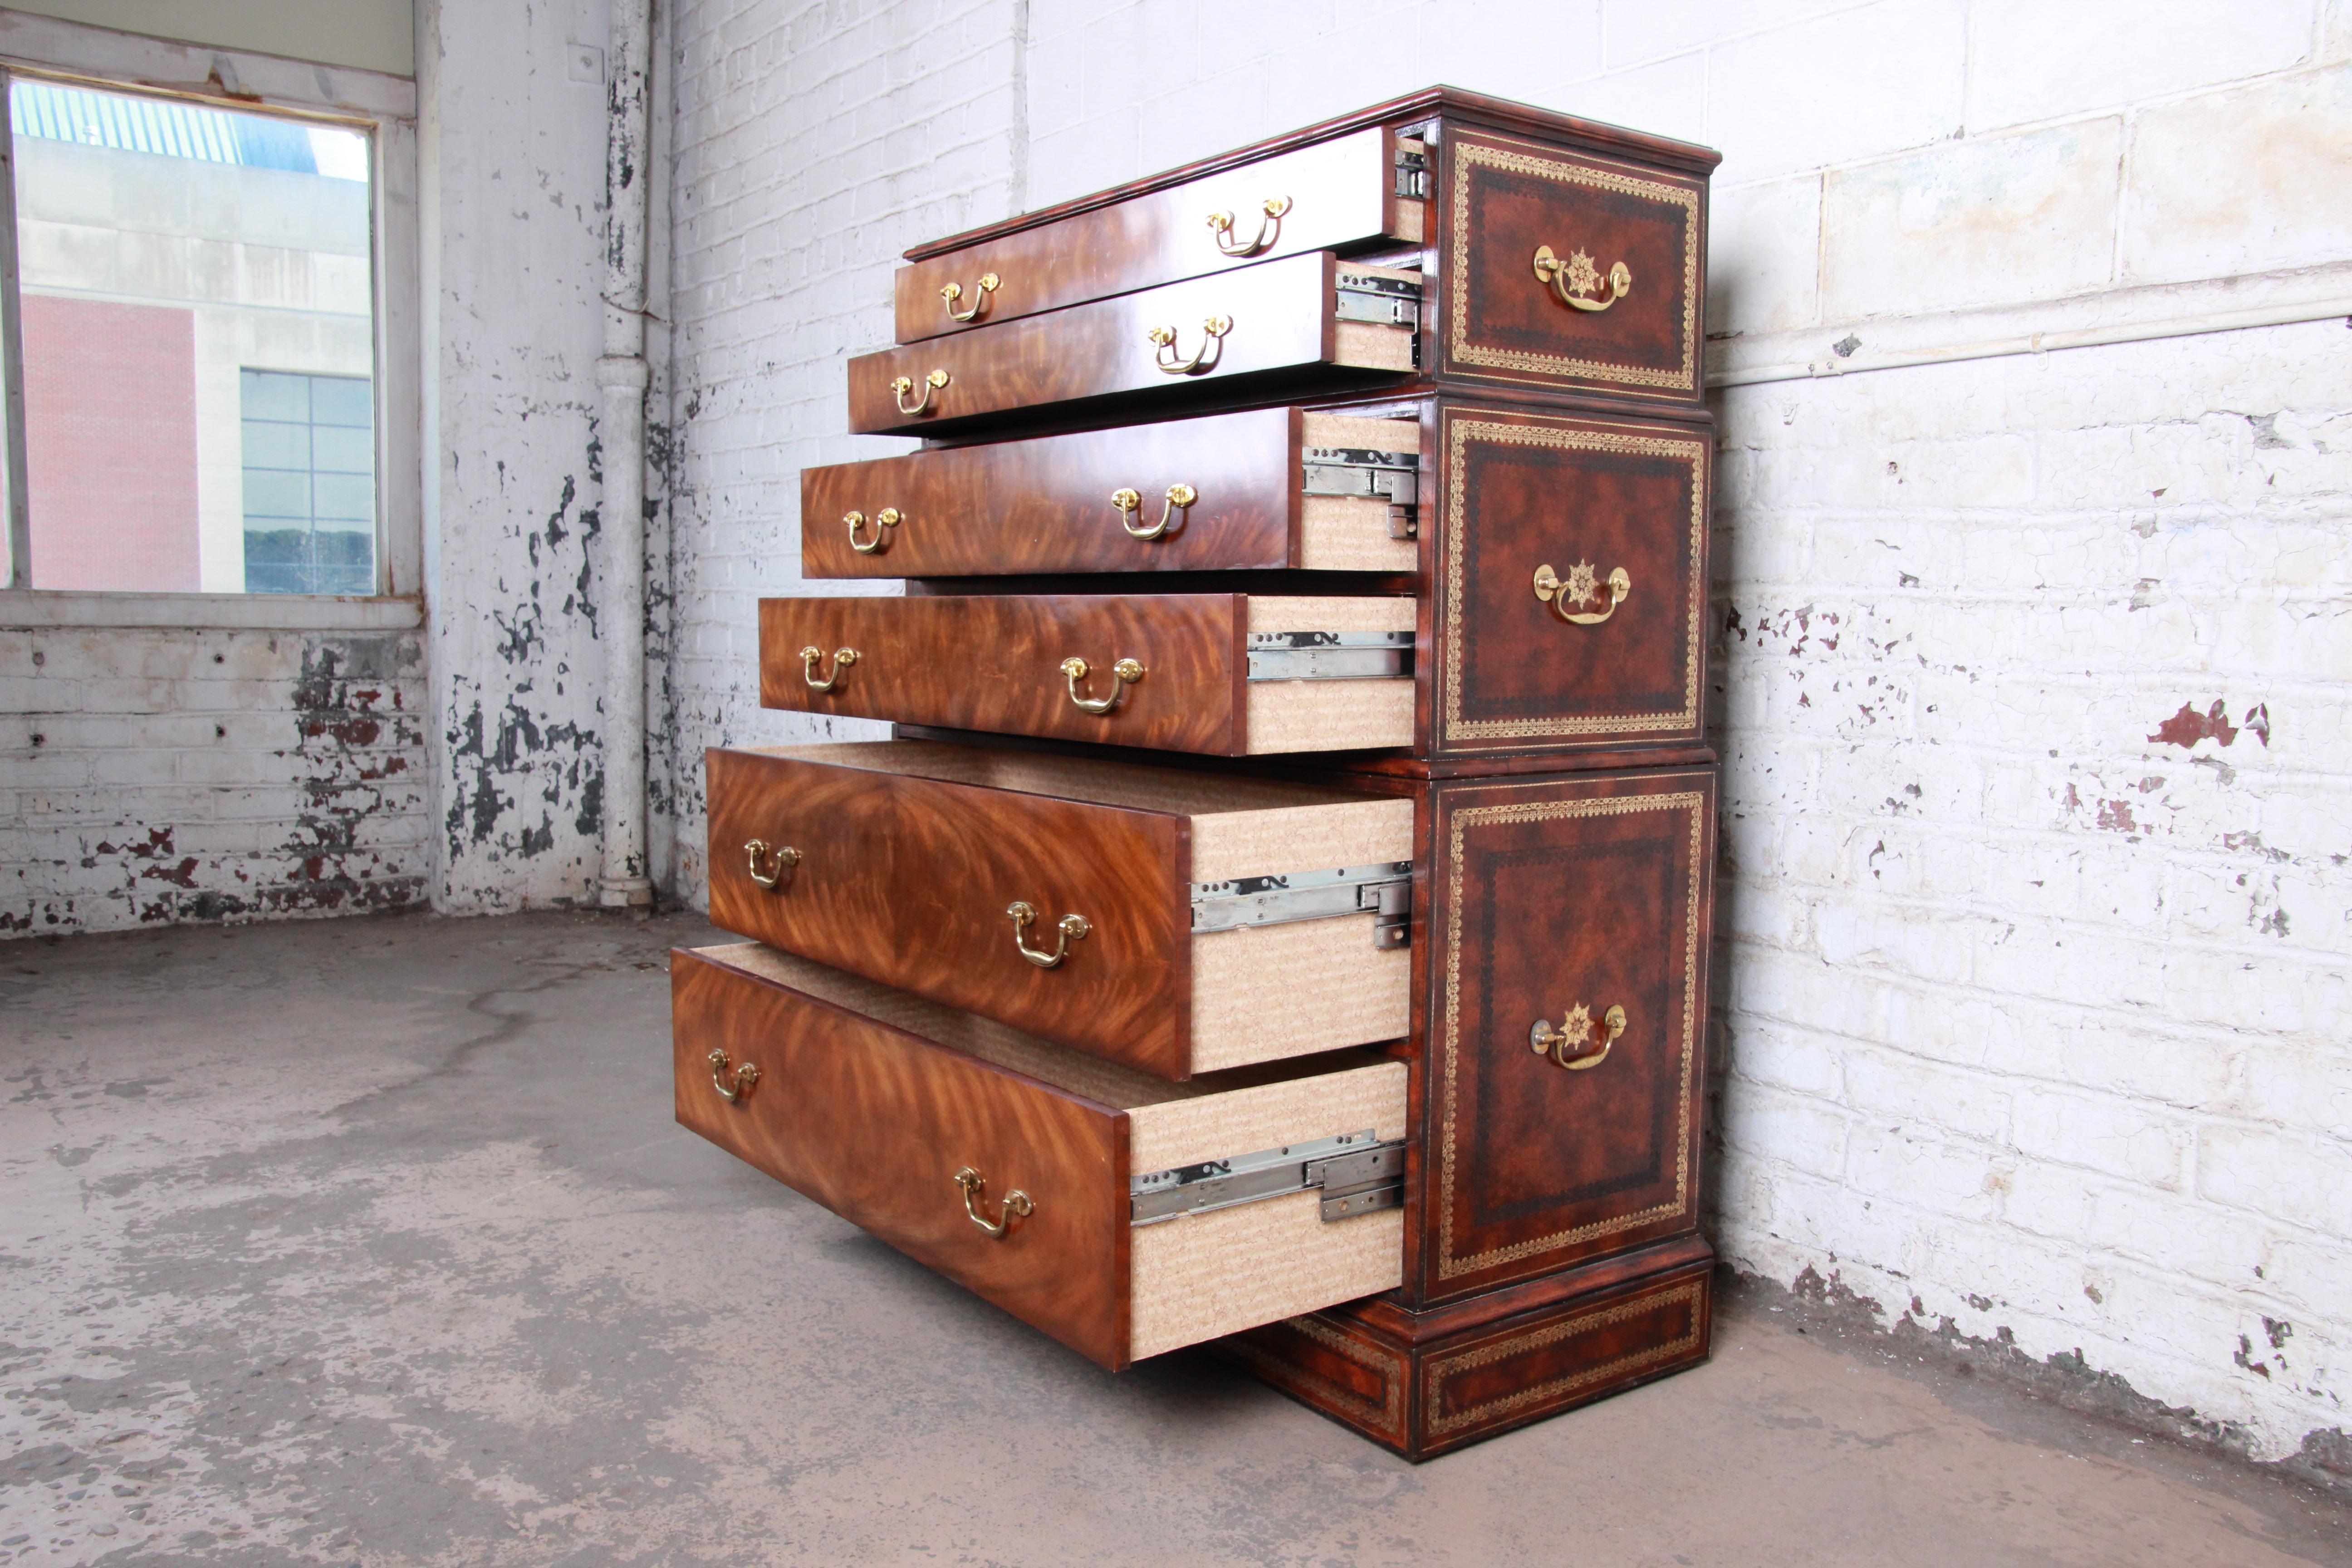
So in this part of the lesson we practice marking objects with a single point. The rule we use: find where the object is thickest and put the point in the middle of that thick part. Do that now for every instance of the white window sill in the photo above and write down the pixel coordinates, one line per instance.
(36, 608)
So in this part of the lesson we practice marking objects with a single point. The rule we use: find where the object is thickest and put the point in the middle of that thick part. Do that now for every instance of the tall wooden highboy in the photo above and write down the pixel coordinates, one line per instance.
(1286, 905)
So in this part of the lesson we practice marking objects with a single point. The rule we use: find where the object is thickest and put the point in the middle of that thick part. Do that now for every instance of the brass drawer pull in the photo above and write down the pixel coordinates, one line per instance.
(903, 386)
(1130, 503)
(784, 855)
(1163, 340)
(888, 517)
(1582, 586)
(732, 1081)
(1016, 1204)
(1577, 278)
(1569, 1044)
(1073, 928)
(1269, 227)
(989, 284)
(1124, 674)
(842, 657)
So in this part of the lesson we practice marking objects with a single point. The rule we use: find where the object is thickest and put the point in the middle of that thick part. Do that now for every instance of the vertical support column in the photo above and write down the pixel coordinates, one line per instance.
(622, 373)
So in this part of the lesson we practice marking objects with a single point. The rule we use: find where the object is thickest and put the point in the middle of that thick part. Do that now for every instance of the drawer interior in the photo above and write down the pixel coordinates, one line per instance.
(1203, 1275)
(1329, 715)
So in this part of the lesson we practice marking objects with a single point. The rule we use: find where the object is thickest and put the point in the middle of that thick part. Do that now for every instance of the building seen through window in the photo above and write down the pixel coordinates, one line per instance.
(199, 344)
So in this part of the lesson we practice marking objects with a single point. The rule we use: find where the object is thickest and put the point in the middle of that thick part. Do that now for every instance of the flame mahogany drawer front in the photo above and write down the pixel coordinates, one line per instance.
(1568, 1017)
(1329, 196)
(1273, 488)
(1310, 314)
(1227, 674)
(1570, 269)
(1008, 1164)
(903, 861)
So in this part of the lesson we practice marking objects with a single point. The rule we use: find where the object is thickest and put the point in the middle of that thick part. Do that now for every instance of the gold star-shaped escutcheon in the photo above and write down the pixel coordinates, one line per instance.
(1577, 1027)
(1583, 277)
(1583, 584)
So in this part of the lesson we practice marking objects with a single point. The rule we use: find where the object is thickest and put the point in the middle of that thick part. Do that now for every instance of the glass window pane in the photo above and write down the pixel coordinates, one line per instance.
(134, 328)
(271, 444)
(271, 494)
(338, 449)
(344, 497)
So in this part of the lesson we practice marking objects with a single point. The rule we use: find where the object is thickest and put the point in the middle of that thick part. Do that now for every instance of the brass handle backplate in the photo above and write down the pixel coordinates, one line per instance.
(842, 657)
(1131, 502)
(905, 384)
(1213, 334)
(1016, 1204)
(732, 1080)
(1577, 280)
(888, 517)
(1582, 586)
(989, 284)
(783, 856)
(1269, 227)
(1124, 674)
(1072, 928)
(1571, 1044)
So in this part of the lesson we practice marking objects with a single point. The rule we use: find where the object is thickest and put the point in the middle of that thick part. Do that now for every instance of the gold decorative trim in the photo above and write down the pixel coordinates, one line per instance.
(1692, 801)
(1434, 1371)
(1394, 1374)
(1460, 432)
(1465, 155)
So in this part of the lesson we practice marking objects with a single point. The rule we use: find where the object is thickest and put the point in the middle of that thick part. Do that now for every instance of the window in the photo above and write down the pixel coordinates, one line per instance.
(198, 330)
(310, 483)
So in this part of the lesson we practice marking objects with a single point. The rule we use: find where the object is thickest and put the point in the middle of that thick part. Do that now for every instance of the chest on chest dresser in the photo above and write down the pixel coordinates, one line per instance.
(1283, 919)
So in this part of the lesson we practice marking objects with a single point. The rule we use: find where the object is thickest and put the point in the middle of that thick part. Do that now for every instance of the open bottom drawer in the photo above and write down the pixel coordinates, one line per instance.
(921, 1124)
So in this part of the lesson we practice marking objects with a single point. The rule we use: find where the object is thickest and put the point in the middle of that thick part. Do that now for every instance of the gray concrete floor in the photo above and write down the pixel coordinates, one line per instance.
(373, 1242)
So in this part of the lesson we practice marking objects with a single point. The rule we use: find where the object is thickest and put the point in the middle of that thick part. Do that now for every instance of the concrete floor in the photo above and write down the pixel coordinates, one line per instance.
(373, 1242)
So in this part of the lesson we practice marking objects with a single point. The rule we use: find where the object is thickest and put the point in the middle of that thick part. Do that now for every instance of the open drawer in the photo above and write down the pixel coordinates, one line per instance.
(1271, 488)
(1179, 923)
(1301, 314)
(1081, 1197)
(1349, 190)
(1226, 674)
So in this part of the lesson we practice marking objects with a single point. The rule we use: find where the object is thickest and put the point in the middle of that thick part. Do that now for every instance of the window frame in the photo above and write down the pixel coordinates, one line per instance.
(74, 54)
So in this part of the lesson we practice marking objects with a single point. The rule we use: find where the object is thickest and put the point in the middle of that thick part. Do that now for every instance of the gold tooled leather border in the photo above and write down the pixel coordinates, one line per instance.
(1465, 154)
(1694, 801)
(1569, 434)
(1395, 1374)
(1435, 1370)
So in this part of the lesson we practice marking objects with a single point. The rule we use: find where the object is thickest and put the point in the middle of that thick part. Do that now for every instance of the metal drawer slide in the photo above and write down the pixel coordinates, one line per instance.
(1329, 656)
(1361, 472)
(1355, 1172)
(1386, 889)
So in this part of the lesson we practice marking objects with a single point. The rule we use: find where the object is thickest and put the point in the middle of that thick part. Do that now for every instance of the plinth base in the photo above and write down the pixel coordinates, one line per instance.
(1425, 1382)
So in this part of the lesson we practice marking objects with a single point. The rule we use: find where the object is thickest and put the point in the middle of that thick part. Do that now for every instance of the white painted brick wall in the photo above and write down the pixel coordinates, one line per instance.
(814, 144)
(150, 777)
(2029, 1021)
(513, 141)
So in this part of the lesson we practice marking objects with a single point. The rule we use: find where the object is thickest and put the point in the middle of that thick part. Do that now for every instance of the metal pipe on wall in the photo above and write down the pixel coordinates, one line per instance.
(623, 374)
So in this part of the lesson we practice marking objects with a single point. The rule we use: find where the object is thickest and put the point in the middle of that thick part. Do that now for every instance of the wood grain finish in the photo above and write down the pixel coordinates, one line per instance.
(1425, 1396)
(1044, 505)
(994, 662)
(1461, 107)
(907, 861)
(1503, 198)
(1547, 895)
(873, 1122)
(869, 1100)
(1518, 489)
(1281, 314)
(1341, 194)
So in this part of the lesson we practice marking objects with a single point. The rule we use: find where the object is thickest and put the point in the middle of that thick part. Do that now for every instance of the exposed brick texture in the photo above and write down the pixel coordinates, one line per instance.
(150, 777)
